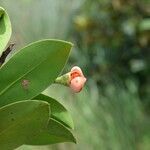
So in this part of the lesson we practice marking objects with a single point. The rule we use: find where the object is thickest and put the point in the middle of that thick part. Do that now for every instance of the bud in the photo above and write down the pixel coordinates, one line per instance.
(74, 79)
(77, 79)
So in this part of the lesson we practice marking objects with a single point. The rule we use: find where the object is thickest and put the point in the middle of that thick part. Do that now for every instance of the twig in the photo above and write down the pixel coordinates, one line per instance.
(5, 53)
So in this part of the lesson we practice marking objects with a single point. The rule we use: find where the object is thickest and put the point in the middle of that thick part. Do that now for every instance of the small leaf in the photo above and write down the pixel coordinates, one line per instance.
(5, 29)
(58, 111)
(32, 70)
(21, 121)
(55, 133)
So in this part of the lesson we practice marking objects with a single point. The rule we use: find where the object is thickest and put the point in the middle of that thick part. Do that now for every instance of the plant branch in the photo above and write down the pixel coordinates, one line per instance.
(5, 53)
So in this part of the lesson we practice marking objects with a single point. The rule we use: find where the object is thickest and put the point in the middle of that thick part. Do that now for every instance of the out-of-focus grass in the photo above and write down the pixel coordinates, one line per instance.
(37, 19)
(110, 121)
(105, 122)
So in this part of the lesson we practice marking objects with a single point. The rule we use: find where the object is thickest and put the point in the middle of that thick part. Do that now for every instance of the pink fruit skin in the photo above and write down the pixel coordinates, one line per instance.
(77, 79)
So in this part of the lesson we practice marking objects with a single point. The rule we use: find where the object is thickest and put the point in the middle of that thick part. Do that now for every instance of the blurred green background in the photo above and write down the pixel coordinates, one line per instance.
(112, 45)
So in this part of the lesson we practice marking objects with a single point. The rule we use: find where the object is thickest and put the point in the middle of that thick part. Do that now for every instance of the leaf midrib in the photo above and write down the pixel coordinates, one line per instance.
(9, 86)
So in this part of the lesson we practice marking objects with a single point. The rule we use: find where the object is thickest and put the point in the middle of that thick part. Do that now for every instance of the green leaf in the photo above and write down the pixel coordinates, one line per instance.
(21, 121)
(5, 29)
(58, 111)
(32, 70)
(55, 133)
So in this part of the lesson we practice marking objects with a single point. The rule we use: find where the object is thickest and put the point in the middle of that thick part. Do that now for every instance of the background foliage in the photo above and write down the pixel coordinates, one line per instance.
(111, 39)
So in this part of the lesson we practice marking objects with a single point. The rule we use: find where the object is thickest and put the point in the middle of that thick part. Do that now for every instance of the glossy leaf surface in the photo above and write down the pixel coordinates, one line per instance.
(55, 133)
(5, 29)
(21, 121)
(32, 70)
(58, 111)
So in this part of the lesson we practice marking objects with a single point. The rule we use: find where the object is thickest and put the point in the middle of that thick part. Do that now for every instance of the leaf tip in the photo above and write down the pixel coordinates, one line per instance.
(74, 140)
